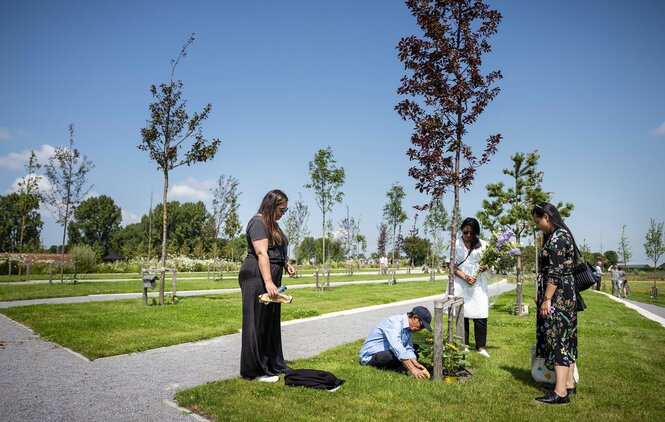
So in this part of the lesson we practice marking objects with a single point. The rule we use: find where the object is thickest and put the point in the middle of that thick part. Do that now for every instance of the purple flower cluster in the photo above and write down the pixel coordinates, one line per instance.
(515, 252)
(503, 238)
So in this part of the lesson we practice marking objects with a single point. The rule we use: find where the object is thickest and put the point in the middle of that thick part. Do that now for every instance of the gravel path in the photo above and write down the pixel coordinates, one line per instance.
(42, 381)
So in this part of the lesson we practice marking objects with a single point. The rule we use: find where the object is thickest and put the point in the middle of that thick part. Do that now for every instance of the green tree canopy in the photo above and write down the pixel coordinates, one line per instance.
(610, 258)
(12, 215)
(416, 249)
(96, 219)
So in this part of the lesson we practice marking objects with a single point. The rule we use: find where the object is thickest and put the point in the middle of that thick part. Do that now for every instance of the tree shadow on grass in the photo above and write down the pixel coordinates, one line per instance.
(521, 374)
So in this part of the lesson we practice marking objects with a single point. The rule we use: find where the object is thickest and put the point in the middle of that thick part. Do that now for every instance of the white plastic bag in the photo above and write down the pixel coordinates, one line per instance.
(540, 373)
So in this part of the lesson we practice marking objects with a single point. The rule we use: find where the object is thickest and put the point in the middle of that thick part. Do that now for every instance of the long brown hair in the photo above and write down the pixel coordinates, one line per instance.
(269, 210)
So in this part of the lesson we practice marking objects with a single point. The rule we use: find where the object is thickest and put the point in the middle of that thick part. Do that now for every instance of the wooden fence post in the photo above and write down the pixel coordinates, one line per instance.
(173, 277)
(50, 272)
(145, 289)
(438, 340)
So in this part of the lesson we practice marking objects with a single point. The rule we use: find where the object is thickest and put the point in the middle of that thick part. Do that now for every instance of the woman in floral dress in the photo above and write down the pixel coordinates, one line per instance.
(556, 323)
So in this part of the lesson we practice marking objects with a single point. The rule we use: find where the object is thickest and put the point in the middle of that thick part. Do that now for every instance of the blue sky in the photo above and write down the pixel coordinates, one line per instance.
(582, 84)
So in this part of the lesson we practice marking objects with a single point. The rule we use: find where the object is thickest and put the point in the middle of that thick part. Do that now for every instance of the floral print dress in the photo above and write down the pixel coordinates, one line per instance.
(556, 336)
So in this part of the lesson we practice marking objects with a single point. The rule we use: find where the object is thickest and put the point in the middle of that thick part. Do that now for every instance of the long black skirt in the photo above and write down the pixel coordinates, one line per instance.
(261, 350)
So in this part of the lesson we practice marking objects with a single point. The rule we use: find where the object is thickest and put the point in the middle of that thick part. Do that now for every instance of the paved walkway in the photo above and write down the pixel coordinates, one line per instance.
(42, 381)
(653, 312)
(118, 296)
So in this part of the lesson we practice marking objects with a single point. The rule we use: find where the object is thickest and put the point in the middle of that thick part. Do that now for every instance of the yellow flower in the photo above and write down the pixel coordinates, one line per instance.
(452, 347)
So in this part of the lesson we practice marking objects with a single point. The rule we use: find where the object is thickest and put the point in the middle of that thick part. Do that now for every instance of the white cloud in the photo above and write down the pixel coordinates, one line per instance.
(4, 133)
(43, 185)
(129, 218)
(17, 160)
(660, 130)
(192, 190)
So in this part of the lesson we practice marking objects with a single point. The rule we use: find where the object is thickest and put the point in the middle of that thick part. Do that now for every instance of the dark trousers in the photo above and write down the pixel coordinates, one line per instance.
(385, 360)
(261, 338)
(479, 329)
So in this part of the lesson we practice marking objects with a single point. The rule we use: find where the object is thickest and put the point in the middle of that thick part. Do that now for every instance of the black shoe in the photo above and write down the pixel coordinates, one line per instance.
(572, 390)
(553, 398)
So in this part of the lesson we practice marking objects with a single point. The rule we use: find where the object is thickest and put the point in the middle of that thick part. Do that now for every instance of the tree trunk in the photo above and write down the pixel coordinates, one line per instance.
(20, 242)
(392, 261)
(163, 260)
(323, 240)
(518, 270)
(453, 237)
(62, 248)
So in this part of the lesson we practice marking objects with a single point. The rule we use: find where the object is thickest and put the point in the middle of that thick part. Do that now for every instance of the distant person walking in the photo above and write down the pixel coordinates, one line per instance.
(624, 283)
(621, 277)
(599, 271)
(471, 282)
(556, 322)
(614, 270)
(261, 356)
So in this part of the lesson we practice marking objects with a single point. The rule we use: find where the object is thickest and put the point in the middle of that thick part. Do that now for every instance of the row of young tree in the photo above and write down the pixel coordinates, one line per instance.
(445, 92)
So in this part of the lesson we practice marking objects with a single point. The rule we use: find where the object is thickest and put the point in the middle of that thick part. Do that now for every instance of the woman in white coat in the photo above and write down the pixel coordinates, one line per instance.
(471, 282)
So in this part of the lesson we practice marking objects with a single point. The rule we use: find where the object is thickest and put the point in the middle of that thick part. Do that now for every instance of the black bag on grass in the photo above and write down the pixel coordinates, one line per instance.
(312, 378)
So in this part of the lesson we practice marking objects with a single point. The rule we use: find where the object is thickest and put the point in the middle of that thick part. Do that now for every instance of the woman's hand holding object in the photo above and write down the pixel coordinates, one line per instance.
(271, 289)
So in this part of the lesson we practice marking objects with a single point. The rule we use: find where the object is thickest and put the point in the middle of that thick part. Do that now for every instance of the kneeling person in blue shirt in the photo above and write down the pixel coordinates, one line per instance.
(389, 345)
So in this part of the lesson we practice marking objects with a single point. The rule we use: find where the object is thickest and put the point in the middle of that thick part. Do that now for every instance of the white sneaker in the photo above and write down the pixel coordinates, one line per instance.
(266, 378)
(484, 353)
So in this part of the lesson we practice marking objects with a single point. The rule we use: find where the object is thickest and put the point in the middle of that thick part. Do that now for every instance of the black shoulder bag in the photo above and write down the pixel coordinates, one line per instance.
(584, 274)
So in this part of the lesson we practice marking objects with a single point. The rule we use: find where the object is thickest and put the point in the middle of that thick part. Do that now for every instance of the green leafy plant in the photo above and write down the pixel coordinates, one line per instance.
(453, 359)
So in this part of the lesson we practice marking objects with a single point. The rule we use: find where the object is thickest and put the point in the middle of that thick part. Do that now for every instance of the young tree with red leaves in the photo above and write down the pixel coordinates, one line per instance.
(446, 92)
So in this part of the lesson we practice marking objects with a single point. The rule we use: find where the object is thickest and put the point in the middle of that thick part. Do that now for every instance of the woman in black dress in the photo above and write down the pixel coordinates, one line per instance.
(261, 355)
(556, 322)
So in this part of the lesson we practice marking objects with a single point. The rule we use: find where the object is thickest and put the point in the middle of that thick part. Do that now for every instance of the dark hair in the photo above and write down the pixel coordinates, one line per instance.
(539, 210)
(475, 228)
(269, 209)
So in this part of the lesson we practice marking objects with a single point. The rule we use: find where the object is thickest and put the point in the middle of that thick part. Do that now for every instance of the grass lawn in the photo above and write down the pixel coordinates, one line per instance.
(640, 291)
(99, 329)
(10, 291)
(96, 276)
(136, 276)
(621, 378)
